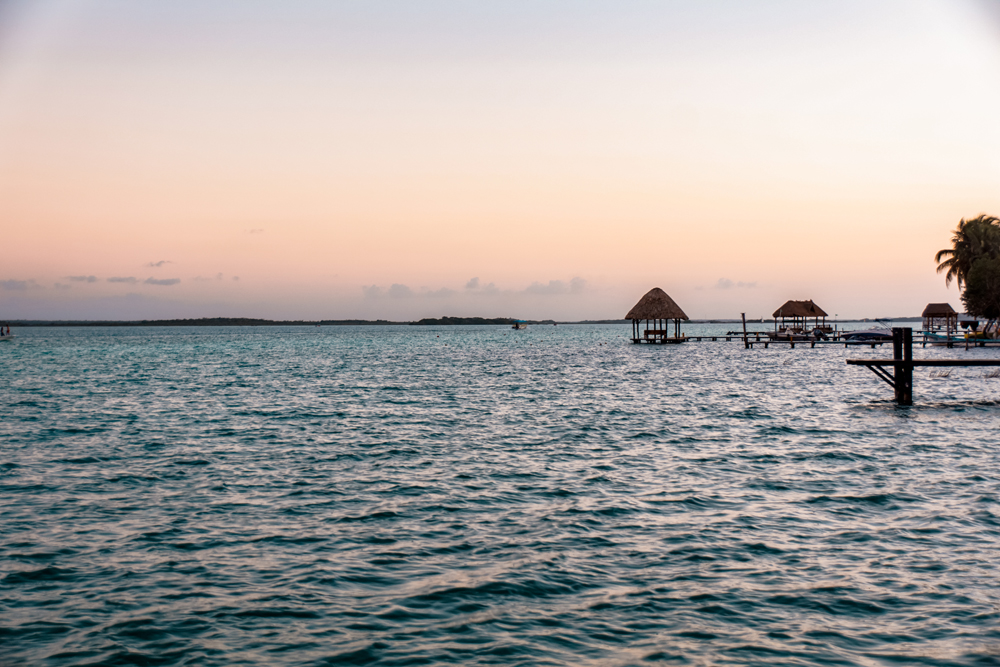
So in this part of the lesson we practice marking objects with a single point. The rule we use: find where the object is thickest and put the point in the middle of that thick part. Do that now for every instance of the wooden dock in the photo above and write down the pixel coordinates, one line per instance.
(903, 363)
(662, 340)
(766, 339)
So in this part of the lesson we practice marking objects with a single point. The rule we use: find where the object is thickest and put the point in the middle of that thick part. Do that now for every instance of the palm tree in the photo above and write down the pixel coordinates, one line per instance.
(973, 239)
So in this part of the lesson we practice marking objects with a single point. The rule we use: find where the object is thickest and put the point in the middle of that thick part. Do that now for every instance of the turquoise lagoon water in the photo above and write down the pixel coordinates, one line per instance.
(478, 496)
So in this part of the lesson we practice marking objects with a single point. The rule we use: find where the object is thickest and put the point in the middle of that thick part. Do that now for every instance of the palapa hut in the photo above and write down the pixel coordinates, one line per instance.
(939, 316)
(795, 315)
(655, 310)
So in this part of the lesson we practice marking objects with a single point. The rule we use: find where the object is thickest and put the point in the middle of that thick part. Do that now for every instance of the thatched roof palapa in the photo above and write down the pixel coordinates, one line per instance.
(656, 305)
(938, 310)
(799, 309)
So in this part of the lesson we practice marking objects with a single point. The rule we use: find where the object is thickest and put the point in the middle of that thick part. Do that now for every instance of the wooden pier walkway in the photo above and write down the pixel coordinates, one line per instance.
(900, 378)
(766, 341)
(903, 363)
(757, 338)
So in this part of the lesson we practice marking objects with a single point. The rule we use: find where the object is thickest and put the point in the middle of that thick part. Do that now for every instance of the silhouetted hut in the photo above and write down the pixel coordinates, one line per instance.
(656, 310)
(940, 316)
(795, 315)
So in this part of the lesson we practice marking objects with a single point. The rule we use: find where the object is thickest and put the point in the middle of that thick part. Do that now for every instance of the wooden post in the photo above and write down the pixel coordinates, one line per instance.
(746, 343)
(908, 369)
(902, 354)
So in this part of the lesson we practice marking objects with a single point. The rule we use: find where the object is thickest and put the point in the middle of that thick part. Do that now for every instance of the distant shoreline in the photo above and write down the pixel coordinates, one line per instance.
(444, 321)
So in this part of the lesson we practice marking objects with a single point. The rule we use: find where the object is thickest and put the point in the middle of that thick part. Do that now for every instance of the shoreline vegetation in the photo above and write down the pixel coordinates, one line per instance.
(427, 321)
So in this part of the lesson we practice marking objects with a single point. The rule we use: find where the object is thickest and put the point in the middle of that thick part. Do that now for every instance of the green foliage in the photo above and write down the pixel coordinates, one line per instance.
(973, 240)
(982, 289)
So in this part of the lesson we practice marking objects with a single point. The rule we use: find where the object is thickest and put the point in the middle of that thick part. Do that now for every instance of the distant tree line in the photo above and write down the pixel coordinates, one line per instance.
(199, 322)
(253, 322)
(465, 320)
(973, 262)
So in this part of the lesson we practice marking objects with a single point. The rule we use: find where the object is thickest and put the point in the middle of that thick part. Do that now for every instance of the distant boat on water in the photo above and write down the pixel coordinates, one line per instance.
(520, 325)
(938, 338)
(868, 335)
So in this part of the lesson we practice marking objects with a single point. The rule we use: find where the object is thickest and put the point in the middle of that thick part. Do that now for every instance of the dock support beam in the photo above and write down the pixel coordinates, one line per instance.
(902, 363)
(902, 350)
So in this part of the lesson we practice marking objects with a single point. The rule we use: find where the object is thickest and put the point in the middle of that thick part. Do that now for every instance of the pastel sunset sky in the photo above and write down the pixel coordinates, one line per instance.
(531, 159)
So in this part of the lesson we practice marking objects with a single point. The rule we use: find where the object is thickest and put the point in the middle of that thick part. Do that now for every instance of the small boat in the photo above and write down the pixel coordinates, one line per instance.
(788, 335)
(938, 338)
(7, 337)
(816, 333)
(520, 325)
(867, 335)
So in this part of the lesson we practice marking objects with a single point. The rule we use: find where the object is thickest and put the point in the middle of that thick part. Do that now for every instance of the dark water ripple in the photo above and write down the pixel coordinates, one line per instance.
(428, 496)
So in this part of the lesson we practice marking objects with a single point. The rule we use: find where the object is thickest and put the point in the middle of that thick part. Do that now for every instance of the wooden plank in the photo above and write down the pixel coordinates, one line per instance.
(924, 362)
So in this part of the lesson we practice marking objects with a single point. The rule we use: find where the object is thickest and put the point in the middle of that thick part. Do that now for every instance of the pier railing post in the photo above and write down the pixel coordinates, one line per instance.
(908, 368)
(902, 355)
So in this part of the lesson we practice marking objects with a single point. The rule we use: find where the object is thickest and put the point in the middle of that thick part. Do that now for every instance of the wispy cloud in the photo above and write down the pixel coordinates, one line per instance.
(203, 279)
(398, 291)
(475, 285)
(162, 262)
(19, 285)
(128, 280)
(726, 283)
(60, 286)
(553, 287)
(256, 230)
(164, 281)
(82, 279)
(574, 286)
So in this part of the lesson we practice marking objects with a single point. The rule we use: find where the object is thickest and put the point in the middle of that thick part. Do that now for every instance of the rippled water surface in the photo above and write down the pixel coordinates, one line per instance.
(475, 495)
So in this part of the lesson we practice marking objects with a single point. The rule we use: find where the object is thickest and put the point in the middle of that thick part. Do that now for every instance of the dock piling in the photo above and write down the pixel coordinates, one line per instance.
(902, 350)
(902, 363)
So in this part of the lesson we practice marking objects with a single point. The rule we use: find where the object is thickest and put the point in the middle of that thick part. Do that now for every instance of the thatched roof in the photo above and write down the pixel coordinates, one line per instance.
(938, 310)
(799, 309)
(656, 305)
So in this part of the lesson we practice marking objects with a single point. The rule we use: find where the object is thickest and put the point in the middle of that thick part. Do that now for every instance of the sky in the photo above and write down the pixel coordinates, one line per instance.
(528, 159)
